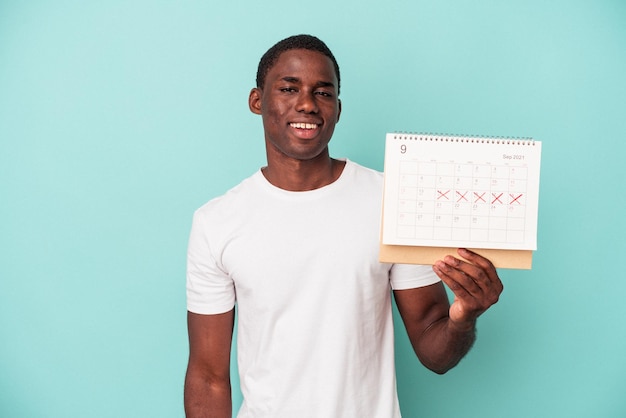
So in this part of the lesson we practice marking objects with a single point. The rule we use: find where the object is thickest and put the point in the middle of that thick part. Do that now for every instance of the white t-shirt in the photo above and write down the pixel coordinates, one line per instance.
(315, 332)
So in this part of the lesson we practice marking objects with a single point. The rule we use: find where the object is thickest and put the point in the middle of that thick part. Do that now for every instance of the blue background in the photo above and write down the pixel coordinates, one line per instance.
(118, 119)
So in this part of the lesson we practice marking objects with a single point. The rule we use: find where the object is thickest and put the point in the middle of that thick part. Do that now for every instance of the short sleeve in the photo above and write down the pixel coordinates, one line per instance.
(210, 290)
(410, 276)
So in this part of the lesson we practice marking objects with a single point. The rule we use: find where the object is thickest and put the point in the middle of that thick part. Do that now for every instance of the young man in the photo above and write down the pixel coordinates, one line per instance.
(296, 246)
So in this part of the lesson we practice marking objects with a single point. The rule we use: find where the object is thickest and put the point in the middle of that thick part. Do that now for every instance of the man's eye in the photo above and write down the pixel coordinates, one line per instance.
(323, 93)
(287, 89)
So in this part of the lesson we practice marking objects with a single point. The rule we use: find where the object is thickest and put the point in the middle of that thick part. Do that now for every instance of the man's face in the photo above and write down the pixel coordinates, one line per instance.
(299, 105)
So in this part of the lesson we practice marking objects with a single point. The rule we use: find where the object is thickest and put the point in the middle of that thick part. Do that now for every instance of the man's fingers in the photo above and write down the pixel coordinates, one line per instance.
(476, 280)
(481, 269)
(454, 277)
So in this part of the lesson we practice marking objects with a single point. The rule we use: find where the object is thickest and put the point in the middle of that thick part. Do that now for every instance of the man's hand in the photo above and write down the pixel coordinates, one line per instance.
(475, 284)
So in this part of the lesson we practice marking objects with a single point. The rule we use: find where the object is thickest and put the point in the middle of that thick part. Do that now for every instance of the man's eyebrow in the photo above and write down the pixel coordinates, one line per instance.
(290, 79)
(295, 80)
(325, 84)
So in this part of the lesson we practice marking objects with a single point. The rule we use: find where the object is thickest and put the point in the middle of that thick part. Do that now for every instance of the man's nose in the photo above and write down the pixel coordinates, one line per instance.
(306, 102)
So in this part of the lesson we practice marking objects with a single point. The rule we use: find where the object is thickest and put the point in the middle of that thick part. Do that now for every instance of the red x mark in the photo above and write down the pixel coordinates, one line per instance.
(479, 197)
(443, 194)
(515, 199)
(461, 196)
(496, 198)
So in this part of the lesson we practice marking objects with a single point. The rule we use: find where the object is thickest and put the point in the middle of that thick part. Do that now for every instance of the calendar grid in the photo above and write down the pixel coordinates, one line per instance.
(451, 192)
(461, 202)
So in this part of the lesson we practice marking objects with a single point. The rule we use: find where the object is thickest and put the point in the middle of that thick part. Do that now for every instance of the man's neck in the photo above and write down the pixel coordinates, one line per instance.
(299, 176)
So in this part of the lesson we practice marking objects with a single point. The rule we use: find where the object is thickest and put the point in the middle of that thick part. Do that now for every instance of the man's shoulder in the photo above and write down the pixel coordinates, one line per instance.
(232, 198)
(364, 175)
(363, 169)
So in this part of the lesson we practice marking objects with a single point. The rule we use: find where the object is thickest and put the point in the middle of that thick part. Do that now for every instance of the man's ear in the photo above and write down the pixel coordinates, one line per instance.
(339, 109)
(254, 101)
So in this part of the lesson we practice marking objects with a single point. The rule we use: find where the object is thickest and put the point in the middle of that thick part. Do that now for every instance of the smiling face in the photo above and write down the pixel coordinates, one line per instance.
(299, 105)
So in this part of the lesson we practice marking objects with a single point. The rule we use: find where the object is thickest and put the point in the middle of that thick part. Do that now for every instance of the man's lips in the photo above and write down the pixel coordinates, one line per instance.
(304, 125)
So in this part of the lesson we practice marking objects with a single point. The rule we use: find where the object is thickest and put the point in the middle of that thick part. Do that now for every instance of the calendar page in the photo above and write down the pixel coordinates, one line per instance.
(456, 191)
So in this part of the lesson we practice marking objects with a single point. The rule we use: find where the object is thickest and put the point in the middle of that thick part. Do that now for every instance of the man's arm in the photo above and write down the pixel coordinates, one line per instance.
(442, 334)
(207, 383)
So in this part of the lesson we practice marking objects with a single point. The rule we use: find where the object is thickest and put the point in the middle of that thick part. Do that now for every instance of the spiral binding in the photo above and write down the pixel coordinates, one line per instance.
(496, 140)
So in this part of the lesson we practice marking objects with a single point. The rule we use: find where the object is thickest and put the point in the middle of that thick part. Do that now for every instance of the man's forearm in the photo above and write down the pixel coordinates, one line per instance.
(205, 399)
(444, 344)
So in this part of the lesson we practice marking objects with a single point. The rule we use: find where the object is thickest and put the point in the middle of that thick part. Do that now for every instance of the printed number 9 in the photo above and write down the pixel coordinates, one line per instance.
(402, 148)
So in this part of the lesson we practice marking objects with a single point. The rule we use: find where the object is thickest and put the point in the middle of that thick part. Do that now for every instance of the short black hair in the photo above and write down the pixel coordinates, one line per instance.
(308, 42)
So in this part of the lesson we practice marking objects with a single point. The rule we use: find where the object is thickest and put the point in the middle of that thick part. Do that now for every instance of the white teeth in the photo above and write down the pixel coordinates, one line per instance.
(303, 125)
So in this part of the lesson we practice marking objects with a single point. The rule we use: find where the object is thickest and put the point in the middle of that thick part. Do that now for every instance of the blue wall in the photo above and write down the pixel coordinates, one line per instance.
(119, 118)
